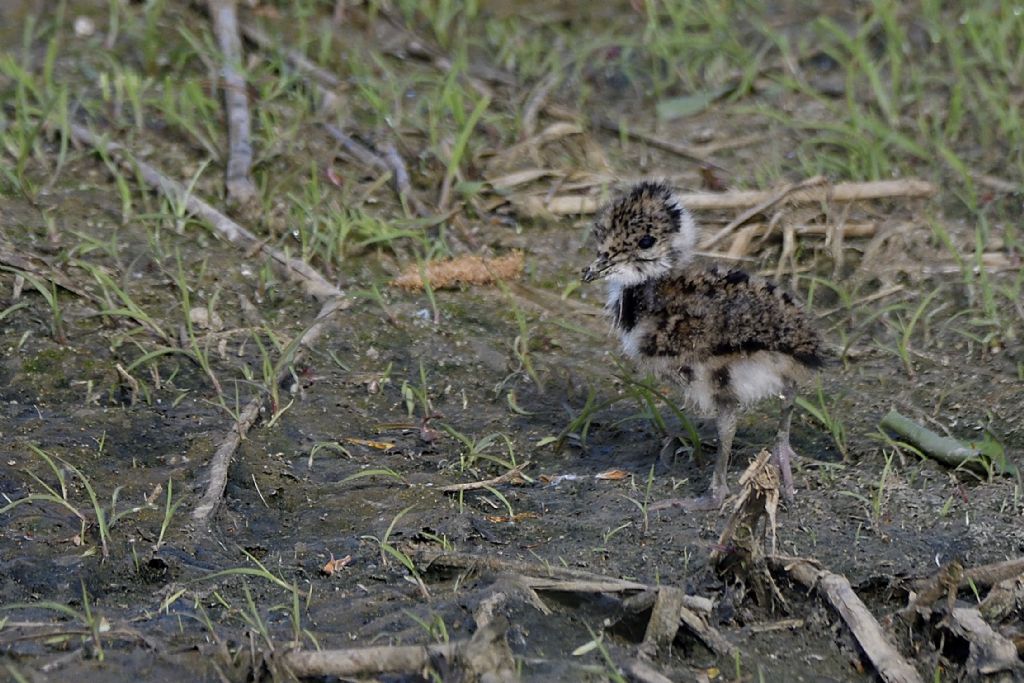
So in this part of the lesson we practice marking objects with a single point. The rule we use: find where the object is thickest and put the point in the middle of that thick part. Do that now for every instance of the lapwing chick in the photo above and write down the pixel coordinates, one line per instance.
(725, 338)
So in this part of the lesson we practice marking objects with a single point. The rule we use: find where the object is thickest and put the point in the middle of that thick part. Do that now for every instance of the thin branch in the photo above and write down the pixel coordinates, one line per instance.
(677, 148)
(761, 207)
(403, 185)
(322, 80)
(953, 577)
(539, 205)
(324, 84)
(238, 181)
(643, 673)
(536, 102)
(514, 474)
(664, 621)
(221, 461)
(365, 155)
(888, 662)
(369, 660)
(485, 655)
(315, 284)
(741, 241)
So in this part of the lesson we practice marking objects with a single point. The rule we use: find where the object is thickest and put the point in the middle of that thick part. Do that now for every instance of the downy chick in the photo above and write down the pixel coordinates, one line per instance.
(726, 338)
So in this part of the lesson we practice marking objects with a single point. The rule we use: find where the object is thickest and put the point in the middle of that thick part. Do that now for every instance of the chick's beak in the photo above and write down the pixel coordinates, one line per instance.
(596, 269)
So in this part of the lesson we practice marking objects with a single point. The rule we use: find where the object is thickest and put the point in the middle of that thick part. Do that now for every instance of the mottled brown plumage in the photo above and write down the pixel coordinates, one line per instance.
(726, 338)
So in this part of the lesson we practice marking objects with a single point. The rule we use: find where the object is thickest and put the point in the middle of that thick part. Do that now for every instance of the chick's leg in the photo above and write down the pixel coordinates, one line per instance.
(719, 489)
(782, 454)
(726, 424)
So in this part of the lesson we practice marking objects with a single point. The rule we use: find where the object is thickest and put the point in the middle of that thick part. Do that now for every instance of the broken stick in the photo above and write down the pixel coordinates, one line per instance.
(553, 578)
(315, 284)
(322, 80)
(664, 622)
(486, 653)
(512, 475)
(990, 652)
(238, 180)
(888, 662)
(741, 544)
(643, 673)
(761, 207)
(929, 590)
(403, 185)
(539, 205)
(677, 148)
(542, 577)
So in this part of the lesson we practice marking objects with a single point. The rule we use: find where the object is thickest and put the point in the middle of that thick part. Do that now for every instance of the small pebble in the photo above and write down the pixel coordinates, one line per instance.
(84, 27)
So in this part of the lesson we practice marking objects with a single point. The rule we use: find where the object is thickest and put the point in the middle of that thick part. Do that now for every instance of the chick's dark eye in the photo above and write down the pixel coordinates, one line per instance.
(646, 242)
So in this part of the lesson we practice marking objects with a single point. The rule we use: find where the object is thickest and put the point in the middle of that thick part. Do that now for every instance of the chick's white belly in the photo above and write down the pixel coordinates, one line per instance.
(760, 375)
(751, 377)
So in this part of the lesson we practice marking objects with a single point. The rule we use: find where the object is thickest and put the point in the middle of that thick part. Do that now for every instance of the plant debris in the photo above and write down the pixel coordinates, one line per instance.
(462, 270)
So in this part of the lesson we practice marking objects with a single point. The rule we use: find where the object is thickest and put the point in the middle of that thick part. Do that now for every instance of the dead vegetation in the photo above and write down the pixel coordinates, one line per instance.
(250, 448)
(461, 270)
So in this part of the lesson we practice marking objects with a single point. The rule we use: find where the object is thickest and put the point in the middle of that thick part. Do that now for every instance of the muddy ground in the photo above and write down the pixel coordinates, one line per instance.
(408, 392)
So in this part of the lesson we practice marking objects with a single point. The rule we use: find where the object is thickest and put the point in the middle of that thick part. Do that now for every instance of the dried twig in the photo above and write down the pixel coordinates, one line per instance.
(510, 180)
(565, 580)
(390, 161)
(729, 142)
(989, 261)
(322, 80)
(607, 585)
(990, 652)
(741, 543)
(485, 653)
(741, 241)
(664, 622)
(403, 185)
(313, 282)
(239, 182)
(677, 148)
(133, 385)
(324, 83)
(17, 259)
(953, 577)
(504, 589)
(688, 610)
(700, 201)
(512, 475)
(476, 72)
(997, 184)
(536, 102)
(708, 634)
(308, 277)
(888, 662)
(692, 603)
(365, 155)
(552, 133)
(643, 673)
(221, 461)
(761, 207)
